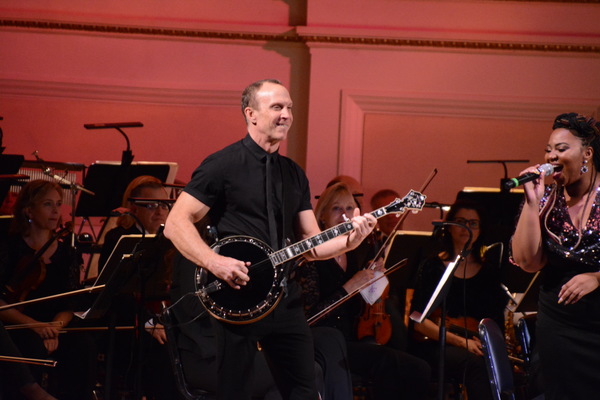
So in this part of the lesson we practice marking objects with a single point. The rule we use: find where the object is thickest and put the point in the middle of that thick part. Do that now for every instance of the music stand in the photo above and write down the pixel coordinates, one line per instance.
(529, 300)
(502, 209)
(412, 245)
(122, 271)
(109, 182)
(9, 165)
(438, 299)
(117, 272)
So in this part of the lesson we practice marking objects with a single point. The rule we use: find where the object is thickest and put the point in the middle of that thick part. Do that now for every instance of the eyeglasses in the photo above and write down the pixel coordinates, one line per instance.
(471, 223)
(154, 206)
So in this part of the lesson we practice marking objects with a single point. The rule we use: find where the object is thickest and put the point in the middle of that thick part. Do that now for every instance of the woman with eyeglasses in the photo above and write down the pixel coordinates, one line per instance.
(558, 234)
(37, 261)
(475, 293)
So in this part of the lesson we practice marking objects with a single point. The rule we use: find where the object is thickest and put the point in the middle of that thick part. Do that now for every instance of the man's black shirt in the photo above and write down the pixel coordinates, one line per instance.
(232, 183)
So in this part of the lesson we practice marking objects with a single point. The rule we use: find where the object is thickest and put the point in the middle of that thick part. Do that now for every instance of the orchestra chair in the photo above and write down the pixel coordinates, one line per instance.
(525, 333)
(185, 390)
(498, 365)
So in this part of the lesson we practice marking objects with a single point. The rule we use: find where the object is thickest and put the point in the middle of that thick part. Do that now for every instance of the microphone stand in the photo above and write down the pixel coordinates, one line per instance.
(442, 329)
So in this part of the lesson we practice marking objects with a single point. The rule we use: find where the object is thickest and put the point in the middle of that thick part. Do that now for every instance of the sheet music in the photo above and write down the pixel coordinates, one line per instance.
(373, 292)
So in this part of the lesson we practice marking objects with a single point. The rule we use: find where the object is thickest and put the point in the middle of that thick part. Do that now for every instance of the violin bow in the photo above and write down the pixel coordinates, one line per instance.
(316, 317)
(33, 361)
(401, 219)
(59, 325)
(54, 296)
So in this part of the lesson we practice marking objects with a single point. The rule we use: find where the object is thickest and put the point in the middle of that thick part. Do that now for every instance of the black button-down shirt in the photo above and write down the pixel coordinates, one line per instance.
(232, 183)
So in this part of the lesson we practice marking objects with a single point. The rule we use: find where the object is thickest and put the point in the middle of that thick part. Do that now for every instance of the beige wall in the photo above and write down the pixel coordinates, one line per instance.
(384, 90)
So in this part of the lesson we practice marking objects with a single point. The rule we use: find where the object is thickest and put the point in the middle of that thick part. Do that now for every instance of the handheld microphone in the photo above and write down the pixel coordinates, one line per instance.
(547, 169)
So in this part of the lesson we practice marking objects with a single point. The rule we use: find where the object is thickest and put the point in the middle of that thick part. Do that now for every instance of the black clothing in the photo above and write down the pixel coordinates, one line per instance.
(74, 376)
(477, 297)
(13, 376)
(484, 296)
(232, 183)
(395, 373)
(568, 336)
(196, 339)
(157, 378)
(62, 275)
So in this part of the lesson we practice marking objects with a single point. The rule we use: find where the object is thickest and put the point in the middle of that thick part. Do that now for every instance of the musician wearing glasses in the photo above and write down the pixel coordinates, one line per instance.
(143, 211)
(475, 293)
(146, 215)
(231, 187)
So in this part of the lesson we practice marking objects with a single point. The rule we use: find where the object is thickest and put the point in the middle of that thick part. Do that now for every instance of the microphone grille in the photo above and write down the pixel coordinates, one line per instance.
(547, 169)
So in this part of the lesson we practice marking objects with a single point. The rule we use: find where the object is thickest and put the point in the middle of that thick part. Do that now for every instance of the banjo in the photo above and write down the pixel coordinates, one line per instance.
(267, 273)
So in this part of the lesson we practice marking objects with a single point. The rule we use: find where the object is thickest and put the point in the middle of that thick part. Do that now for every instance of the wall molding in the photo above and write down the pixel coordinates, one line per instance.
(299, 35)
(355, 104)
(94, 92)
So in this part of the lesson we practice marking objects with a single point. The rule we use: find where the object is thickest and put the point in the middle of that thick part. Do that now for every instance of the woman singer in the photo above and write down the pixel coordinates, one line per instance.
(558, 233)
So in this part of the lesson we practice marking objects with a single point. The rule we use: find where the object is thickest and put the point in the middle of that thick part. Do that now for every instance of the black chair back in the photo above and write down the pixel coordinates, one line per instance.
(525, 331)
(500, 371)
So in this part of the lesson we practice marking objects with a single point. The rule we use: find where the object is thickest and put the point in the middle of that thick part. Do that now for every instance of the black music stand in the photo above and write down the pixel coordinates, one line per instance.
(502, 210)
(438, 300)
(117, 272)
(414, 246)
(109, 182)
(529, 300)
(131, 266)
(9, 165)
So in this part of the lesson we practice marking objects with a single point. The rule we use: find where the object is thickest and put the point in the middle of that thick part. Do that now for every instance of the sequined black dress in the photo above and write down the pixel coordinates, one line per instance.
(568, 336)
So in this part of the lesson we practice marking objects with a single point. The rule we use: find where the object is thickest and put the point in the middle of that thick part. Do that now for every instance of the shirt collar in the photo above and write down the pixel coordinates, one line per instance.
(256, 150)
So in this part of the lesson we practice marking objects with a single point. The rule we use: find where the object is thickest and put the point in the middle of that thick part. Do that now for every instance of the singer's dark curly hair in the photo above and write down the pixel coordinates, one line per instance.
(587, 129)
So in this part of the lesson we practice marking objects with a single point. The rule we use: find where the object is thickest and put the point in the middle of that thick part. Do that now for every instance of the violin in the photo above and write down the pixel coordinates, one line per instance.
(374, 321)
(30, 272)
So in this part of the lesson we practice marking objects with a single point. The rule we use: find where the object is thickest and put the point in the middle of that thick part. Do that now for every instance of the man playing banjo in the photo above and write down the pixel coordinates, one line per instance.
(249, 189)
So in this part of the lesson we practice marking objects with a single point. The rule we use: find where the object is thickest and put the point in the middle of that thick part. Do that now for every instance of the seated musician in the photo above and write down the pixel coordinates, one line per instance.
(146, 216)
(396, 374)
(382, 236)
(15, 377)
(150, 215)
(35, 262)
(475, 293)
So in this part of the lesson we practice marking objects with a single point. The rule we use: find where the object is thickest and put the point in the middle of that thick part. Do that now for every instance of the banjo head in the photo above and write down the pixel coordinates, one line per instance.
(251, 302)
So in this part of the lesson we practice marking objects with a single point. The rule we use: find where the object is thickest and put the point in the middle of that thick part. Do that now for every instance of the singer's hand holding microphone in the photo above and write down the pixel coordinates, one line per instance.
(546, 169)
